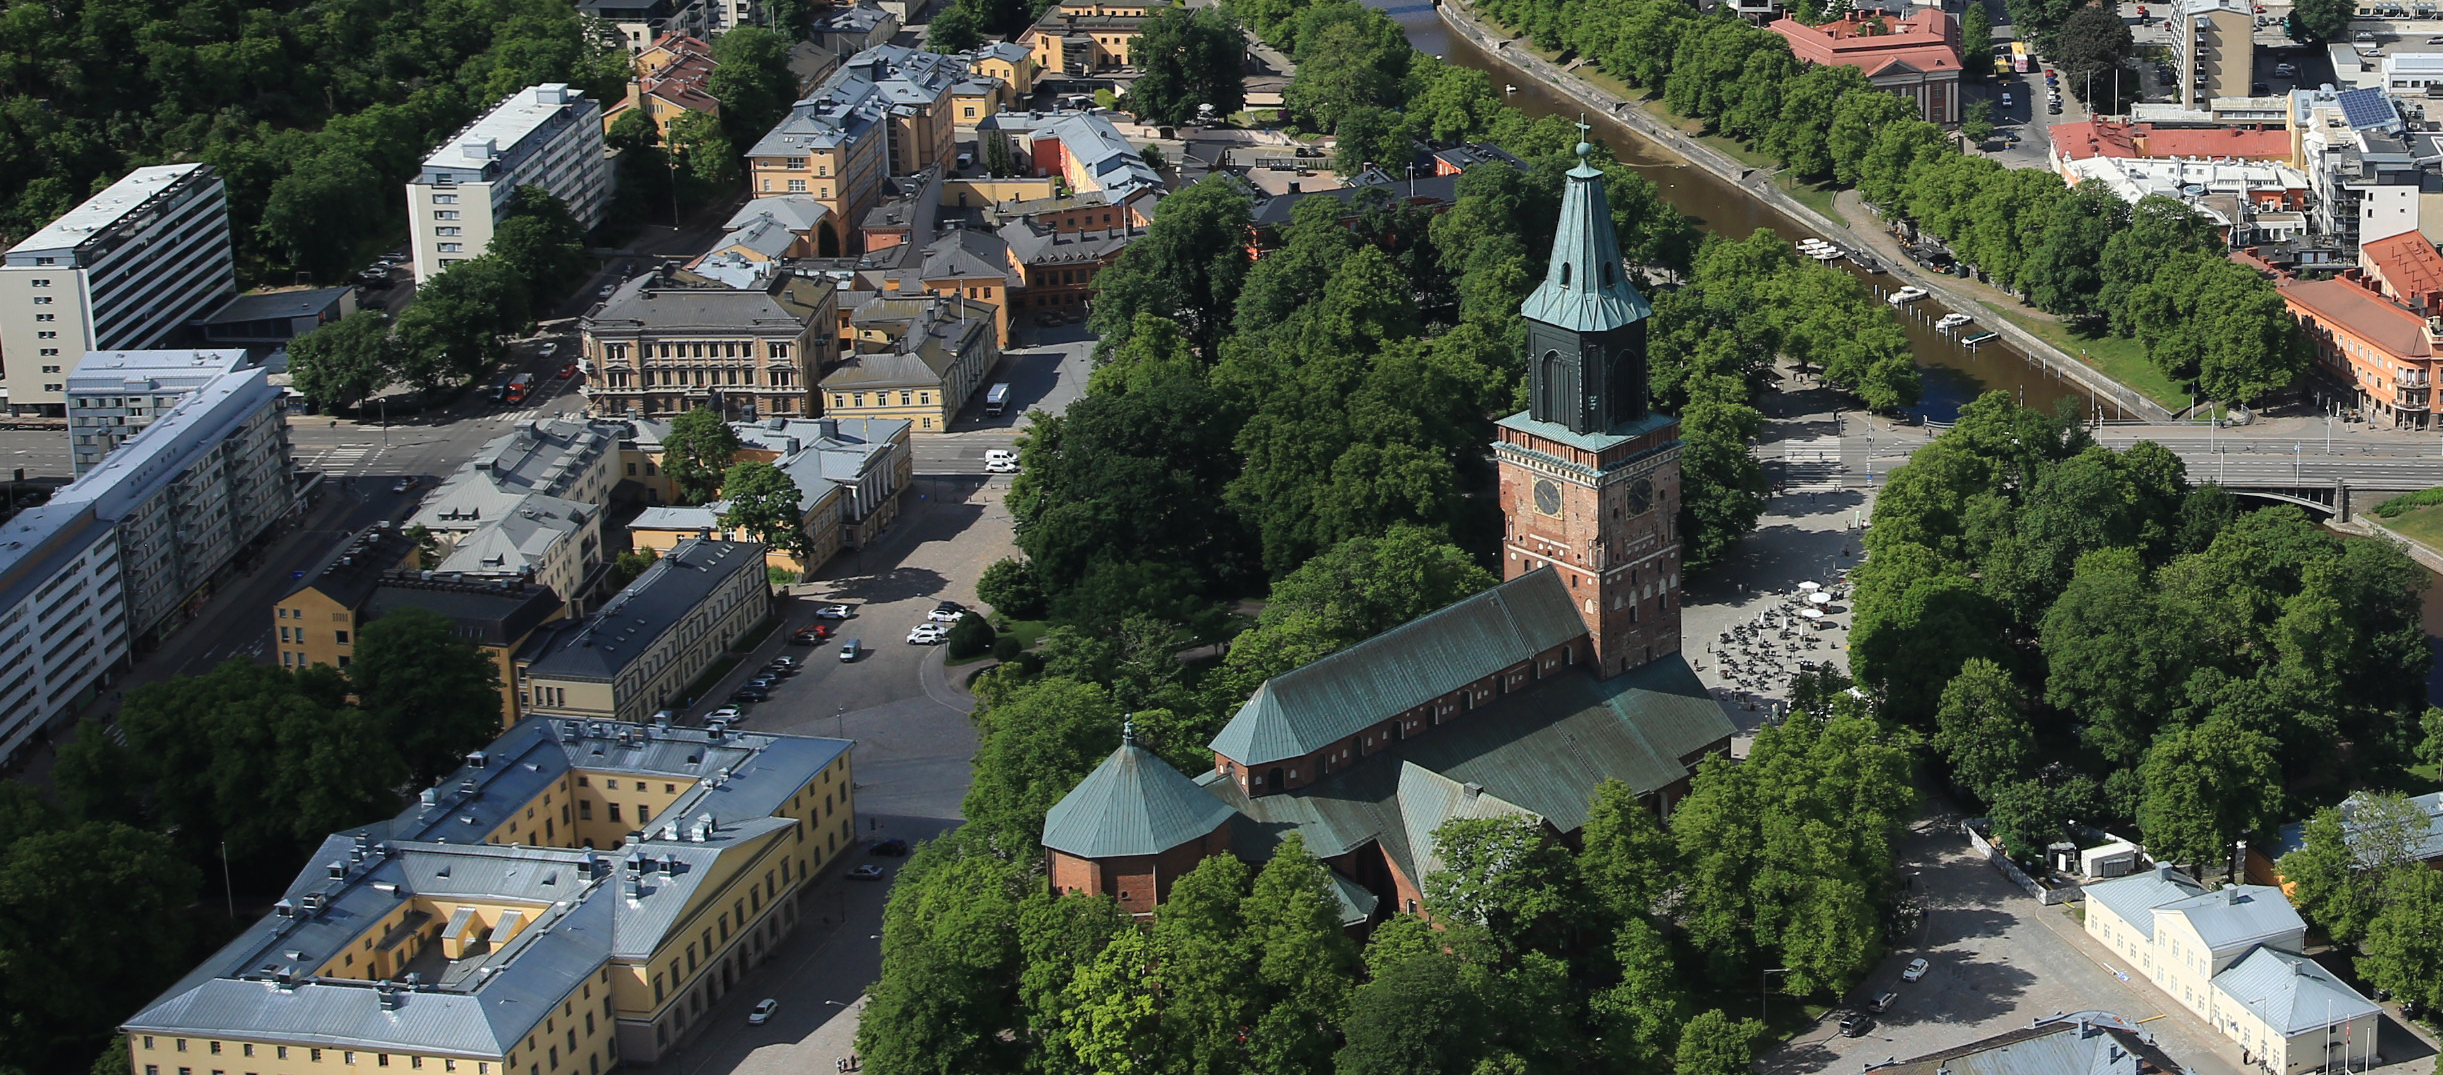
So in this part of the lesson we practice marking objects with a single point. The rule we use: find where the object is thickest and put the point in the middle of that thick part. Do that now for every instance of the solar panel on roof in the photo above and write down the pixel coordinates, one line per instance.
(2365, 108)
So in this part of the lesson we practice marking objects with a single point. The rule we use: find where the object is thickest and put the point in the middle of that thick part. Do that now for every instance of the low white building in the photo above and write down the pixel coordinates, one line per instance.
(2229, 956)
(548, 136)
(113, 395)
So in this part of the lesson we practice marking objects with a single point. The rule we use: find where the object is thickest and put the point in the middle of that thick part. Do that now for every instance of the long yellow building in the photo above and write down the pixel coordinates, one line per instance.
(579, 894)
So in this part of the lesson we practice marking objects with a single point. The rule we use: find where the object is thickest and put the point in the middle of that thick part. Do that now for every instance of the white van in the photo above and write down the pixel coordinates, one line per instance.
(1000, 461)
(996, 400)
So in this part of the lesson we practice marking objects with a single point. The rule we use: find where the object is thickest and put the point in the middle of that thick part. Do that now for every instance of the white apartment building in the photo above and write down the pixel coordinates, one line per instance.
(113, 395)
(548, 136)
(117, 555)
(128, 269)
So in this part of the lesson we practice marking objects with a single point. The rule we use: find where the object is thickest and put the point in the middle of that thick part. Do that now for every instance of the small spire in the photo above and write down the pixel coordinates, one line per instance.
(1586, 148)
(1128, 730)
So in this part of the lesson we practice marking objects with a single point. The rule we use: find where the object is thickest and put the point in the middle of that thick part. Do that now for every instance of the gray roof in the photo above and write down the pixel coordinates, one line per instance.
(1132, 804)
(969, 253)
(1428, 799)
(2291, 992)
(2235, 915)
(1303, 710)
(1586, 285)
(1356, 904)
(2135, 897)
(576, 913)
(661, 597)
(1033, 244)
(2075, 1043)
(294, 302)
(1542, 750)
(349, 573)
(928, 347)
(678, 300)
(1587, 442)
(491, 613)
(2429, 847)
(141, 371)
(520, 540)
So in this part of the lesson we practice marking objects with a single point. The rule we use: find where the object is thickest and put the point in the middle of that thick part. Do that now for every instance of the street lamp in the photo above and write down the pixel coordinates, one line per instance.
(1762, 999)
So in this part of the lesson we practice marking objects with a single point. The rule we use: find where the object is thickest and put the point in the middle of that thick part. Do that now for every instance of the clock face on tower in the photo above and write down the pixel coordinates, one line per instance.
(1547, 496)
(1641, 496)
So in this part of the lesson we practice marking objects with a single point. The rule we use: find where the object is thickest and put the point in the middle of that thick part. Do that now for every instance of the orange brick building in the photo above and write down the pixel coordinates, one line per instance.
(2383, 352)
(1916, 57)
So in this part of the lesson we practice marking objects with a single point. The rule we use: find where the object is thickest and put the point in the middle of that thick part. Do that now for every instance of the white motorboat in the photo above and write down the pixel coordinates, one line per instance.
(1952, 321)
(1906, 295)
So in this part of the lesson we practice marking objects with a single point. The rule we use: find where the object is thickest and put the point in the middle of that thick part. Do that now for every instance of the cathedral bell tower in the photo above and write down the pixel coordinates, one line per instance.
(1590, 475)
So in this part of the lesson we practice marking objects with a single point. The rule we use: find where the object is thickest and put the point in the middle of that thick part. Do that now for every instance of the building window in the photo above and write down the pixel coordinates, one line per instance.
(445, 199)
(447, 230)
(797, 186)
(453, 248)
(445, 214)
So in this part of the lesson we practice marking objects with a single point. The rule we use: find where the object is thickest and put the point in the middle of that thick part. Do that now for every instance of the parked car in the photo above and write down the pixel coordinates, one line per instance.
(811, 634)
(1855, 1024)
(404, 484)
(951, 605)
(2285, 70)
(851, 650)
(762, 1012)
(892, 848)
(727, 712)
(789, 663)
(832, 612)
(927, 634)
(747, 695)
(568, 371)
(549, 350)
(945, 615)
(763, 682)
(606, 291)
(1917, 969)
(1884, 1000)
(867, 872)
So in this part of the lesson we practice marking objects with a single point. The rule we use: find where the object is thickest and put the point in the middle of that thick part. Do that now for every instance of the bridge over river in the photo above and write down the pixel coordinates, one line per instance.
(2331, 475)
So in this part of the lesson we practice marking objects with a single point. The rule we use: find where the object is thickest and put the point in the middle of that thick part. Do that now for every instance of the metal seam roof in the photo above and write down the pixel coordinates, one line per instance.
(1132, 804)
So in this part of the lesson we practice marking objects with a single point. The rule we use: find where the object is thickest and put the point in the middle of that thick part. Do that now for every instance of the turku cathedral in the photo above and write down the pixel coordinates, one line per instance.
(1514, 702)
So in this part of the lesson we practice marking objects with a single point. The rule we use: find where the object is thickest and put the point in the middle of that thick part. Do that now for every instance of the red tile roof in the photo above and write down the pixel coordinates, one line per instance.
(2145, 141)
(1927, 40)
(2361, 312)
(2411, 269)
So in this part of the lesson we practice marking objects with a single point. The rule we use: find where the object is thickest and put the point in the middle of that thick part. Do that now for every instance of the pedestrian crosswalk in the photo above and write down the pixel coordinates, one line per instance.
(343, 459)
(1811, 465)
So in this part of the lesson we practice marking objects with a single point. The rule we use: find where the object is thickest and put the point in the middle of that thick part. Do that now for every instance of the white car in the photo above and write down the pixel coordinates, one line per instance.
(727, 712)
(831, 612)
(1000, 461)
(763, 1012)
(945, 615)
(1917, 969)
(926, 634)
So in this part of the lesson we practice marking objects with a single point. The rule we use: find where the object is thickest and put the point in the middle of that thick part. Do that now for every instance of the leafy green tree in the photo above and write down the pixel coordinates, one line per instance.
(1186, 268)
(433, 692)
(956, 29)
(1714, 1044)
(1189, 58)
(2063, 272)
(1009, 585)
(1037, 740)
(970, 637)
(952, 958)
(753, 81)
(2095, 43)
(1975, 41)
(696, 453)
(1504, 875)
(1305, 962)
(1982, 728)
(76, 962)
(764, 501)
(1348, 57)
(1641, 1016)
(1976, 122)
(2206, 787)
(344, 361)
(2346, 858)
(315, 210)
(1206, 965)
(1628, 860)
(1113, 1009)
(2321, 20)
(2403, 949)
(628, 565)
(1418, 1016)
(1058, 933)
(704, 148)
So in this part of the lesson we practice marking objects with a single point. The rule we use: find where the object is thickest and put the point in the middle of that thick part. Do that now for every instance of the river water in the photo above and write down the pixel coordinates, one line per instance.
(1952, 374)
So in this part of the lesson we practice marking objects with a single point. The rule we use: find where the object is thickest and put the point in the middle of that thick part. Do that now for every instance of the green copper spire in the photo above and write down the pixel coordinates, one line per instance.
(1585, 288)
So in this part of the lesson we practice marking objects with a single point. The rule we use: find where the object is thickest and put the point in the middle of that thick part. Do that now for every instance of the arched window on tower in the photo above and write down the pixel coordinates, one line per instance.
(1564, 274)
(1552, 396)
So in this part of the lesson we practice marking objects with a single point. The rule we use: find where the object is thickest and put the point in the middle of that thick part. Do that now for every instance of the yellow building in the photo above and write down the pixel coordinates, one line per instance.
(917, 359)
(648, 643)
(672, 79)
(886, 111)
(374, 575)
(676, 339)
(1011, 63)
(1078, 39)
(578, 895)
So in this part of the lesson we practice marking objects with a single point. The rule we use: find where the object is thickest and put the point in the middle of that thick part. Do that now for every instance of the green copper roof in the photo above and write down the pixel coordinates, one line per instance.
(1306, 709)
(1586, 288)
(1132, 804)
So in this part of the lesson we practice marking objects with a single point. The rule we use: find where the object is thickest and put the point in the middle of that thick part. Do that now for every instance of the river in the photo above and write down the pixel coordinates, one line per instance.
(1952, 375)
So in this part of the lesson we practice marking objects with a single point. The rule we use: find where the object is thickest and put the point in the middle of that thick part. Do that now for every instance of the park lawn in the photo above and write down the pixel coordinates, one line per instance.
(2422, 525)
(2119, 357)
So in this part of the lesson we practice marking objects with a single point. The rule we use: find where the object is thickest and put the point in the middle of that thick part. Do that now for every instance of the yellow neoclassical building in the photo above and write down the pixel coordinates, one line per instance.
(651, 640)
(579, 894)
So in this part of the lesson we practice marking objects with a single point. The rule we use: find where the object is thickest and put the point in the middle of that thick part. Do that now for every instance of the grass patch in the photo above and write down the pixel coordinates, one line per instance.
(780, 576)
(2423, 525)
(2118, 357)
(1816, 196)
(2403, 505)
